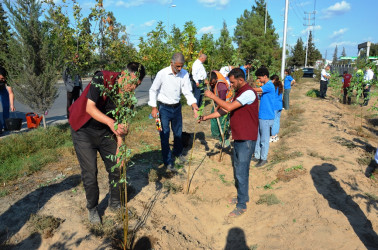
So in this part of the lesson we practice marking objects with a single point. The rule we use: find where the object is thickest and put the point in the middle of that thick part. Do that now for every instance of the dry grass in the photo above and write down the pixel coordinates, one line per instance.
(45, 225)
(282, 153)
(288, 174)
(269, 199)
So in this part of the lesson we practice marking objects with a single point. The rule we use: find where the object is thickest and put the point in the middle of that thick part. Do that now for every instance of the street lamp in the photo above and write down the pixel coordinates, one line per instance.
(172, 6)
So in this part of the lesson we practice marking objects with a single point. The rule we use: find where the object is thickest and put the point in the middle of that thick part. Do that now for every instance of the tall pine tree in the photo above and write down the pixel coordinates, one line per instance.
(249, 35)
(32, 65)
(224, 47)
(298, 54)
(4, 35)
(335, 58)
(313, 53)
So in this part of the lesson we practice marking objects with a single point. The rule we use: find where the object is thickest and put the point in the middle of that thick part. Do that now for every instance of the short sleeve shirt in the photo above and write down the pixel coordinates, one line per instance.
(247, 97)
(287, 82)
(278, 103)
(267, 100)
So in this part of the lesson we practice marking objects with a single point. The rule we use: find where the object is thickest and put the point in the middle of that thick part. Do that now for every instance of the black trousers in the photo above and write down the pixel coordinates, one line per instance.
(346, 90)
(323, 88)
(366, 93)
(71, 97)
(87, 142)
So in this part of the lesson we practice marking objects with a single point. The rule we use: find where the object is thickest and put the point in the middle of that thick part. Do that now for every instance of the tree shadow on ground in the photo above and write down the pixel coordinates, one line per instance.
(370, 169)
(364, 145)
(12, 220)
(137, 174)
(236, 240)
(143, 243)
(188, 141)
(338, 199)
(374, 131)
(32, 242)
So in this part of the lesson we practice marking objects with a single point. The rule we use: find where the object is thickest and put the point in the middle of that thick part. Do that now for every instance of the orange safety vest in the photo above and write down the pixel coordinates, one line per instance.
(230, 92)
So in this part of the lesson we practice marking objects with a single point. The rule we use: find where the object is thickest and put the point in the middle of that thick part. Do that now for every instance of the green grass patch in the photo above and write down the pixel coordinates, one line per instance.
(3, 193)
(25, 153)
(313, 93)
(294, 168)
(270, 185)
(269, 199)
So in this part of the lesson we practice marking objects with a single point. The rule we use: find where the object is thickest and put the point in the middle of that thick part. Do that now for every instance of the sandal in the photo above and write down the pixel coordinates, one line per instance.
(233, 201)
(237, 212)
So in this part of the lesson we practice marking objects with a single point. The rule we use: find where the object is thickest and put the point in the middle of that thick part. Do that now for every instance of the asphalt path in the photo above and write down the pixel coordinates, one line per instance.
(57, 113)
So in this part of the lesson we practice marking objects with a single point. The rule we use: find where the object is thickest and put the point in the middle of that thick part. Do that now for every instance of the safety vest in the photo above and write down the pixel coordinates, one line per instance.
(230, 92)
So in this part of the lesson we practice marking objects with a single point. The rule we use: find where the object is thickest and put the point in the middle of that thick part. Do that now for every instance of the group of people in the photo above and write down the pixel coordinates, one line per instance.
(251, 124)
(93, 130)
(364, 77)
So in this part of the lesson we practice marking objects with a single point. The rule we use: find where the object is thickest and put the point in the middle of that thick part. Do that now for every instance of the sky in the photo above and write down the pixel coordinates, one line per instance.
(345, 23)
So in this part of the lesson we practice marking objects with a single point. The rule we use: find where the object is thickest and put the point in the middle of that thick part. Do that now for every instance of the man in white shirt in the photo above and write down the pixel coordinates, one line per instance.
(166, 91)
(199, 75)
(325, 75)
(368, 77)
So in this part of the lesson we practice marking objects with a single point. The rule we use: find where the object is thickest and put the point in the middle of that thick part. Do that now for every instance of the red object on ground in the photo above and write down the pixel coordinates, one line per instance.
(33, 120)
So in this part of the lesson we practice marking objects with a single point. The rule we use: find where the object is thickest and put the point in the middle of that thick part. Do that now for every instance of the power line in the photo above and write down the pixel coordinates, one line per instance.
(295, 12)
(308, 30)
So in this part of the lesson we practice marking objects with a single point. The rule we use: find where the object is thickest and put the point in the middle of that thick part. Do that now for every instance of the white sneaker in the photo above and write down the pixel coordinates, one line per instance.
(276, 139)
(271, 139)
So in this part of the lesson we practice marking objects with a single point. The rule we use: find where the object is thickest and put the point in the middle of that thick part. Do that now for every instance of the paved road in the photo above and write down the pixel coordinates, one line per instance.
(57, 113)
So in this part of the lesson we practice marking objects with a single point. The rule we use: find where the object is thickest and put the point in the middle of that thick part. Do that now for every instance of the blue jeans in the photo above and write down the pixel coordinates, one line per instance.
(170, 116)
(243, 151)
(262, 143)
(276, 124)
(4, 98)
(198, 93)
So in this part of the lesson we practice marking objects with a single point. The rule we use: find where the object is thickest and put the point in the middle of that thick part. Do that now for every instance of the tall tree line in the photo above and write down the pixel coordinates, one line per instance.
(298, 53)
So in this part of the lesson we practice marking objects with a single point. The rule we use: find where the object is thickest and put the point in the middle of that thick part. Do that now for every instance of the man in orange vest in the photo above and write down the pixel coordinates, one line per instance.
(221, 89)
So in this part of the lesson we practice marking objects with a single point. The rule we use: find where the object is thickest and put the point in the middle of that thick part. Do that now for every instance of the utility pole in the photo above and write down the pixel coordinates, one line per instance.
(266, 14)
(284, 41)
(308, 30)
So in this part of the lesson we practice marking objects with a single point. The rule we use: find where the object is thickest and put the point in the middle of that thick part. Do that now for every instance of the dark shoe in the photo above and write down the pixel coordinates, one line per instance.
(255, 159)
(261, 163)
(93, 216)
(171, 168)
(237, 212)
(114, 205)
(181, 160)
(218, 145)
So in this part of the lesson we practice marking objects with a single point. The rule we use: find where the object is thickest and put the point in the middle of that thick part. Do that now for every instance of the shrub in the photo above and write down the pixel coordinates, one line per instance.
(313, 93)
(297, 75)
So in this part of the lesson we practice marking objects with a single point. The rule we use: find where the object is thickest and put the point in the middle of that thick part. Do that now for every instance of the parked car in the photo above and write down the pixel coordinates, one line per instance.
(308, 72)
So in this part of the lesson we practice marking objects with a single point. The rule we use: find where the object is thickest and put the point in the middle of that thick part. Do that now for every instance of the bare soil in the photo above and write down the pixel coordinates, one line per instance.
(320, 171)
